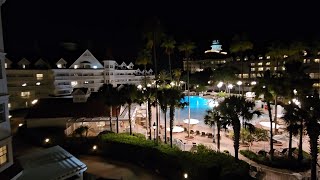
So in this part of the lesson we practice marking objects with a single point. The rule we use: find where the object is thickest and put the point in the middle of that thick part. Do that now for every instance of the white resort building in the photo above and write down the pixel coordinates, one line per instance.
(27, 82)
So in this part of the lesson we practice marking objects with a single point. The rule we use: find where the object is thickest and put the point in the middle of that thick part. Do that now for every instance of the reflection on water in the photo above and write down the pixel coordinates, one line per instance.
(198, 107)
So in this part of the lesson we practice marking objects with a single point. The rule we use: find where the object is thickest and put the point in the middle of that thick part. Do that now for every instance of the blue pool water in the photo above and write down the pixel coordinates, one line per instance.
(198, 107)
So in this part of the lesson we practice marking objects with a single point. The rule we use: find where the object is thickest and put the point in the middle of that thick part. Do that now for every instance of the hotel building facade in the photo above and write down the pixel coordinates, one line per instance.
(26, 85)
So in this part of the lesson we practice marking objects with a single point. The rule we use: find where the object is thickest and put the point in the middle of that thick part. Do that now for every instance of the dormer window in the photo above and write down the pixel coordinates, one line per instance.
(76, 66)
(59, 65)
(23, 66)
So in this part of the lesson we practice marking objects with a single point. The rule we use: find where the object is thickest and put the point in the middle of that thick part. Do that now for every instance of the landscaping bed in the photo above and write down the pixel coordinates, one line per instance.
(282, 162)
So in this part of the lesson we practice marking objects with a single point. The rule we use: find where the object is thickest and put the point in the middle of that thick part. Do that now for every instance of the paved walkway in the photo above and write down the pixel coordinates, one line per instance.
(103, 168)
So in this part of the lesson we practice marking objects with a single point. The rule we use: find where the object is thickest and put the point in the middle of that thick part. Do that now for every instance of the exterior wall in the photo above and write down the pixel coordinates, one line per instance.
(47, 122)
(5, 129)
(26, 85)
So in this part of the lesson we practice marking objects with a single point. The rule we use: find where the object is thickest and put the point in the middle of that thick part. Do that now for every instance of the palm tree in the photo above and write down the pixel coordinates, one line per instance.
(291, 117)
(129, 94)
(117, 101)
(169, 45)
(176, 75)
(163, 78)
(238, 46)
(231, 109)
(214, 118)
(270, 86)
(174, 96)
(187, 48)
(106, 93)
(277, 52)
(144, 58)
(163, 102)
(311, 113)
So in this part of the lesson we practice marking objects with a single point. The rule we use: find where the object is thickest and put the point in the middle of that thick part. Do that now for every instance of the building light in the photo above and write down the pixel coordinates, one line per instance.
(94, 67)
(59, 65)
(24, 84)
(260, 64)
(9, 105)
(39, 76)
(268, 57)
(86, 82)
(268, 63)
(23, 66)
(38, 83)
(74, 83)
(76, 66)
(6, 65)
(34, 101)
(316, 60)
(260, 57)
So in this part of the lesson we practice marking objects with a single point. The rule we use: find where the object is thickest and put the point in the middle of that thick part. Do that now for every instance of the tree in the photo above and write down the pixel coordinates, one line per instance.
(106, 93)
(214, 118)
(176, 75)
(270, 86)
(277, 52)
(238, 46)
(291, 117)
(163, 78)
(187, 48)
(144, 58)
(129, 93)
(224, 74)
(311, 112)
(163, 102)
(174, 96)
(169, 45)
(231, 109)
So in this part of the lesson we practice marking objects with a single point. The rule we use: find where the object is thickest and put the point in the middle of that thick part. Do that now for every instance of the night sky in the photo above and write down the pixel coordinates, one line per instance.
(39, 28)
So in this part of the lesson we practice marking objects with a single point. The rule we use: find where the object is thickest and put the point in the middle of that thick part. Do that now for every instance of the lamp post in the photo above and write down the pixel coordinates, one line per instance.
(154, 130)
(239, 83)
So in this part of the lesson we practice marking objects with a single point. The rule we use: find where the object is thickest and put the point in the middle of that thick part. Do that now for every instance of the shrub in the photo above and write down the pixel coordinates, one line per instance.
(172, 162)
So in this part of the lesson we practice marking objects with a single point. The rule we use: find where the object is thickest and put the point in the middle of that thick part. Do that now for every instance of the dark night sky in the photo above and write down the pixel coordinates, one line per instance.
(37, 28)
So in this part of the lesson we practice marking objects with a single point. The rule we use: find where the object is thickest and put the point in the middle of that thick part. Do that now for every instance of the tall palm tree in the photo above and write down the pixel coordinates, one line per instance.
(270, 86)
(174, 96)
(176, 75)
(106, 93)
(169, 45)
(129, 93)
(311, 113)
(144, 58)
(214, 118)
(117, 101)
(163, 78)
(163, 102)
(187, 48)
(231, 109)
(239, 46)
(291, 117)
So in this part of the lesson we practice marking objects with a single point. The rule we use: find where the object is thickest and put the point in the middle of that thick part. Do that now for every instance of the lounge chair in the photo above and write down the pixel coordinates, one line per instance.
(203, 134)
(210, 135)
(191, 131)
(197, 132)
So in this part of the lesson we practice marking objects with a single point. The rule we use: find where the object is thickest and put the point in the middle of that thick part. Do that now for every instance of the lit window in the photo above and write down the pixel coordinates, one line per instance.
(5, 65)
(316, 60)
(253, 75)
(94, 67)
(86, 82)
(260, 69)
(283, 68)
(9, 105)
(3, 155)
(25, 94)
(304, 61)
(38, 83)
(268, 57)
(267, 68)
(305, 53)
(23, 66)
(2, 114)
(253, 64)
(74, 83)
(59, 65)
(253, 69)
(260, 57)
(39, 76)
(76, 66)
(268, 63)
(275, 68)
(285, 56)
(24, 84)
(260, 64)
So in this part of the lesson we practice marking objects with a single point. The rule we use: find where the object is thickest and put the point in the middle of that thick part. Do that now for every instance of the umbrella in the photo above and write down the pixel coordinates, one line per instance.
(176, 129)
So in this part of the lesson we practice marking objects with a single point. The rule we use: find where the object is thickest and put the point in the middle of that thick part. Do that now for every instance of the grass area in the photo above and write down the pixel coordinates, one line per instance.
(280, 162)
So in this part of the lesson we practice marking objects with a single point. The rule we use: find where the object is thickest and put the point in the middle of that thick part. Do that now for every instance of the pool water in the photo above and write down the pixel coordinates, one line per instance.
(198, 108)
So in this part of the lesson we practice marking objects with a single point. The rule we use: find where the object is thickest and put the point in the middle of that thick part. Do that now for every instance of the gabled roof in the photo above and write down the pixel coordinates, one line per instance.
(8, 61)
(87, 56)
(40, 62)
(80, 91)
(23, 61)
(138, 70)
(123, 64)
(61, 61)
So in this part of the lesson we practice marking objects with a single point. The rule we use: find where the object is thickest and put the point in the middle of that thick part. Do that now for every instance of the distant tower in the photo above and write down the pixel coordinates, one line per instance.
(215, 47)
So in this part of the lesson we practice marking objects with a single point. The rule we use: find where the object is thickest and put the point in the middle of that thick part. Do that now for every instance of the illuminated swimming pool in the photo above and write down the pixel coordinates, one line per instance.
(198, 107)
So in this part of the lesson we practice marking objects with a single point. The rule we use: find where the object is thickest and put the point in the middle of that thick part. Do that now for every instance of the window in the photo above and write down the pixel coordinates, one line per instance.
(2, 114)
(59, 65)
(268, 57)
(39, 76)
(260, 57)
(6, 65)
(3, 155)
(25, 94)
(74, 83)
(23, 66)
(260, 64)
(267, 68)
(260, 69)
(268, 63)
(253, 69)
(253, 64)
(76, 66)
(316, 60)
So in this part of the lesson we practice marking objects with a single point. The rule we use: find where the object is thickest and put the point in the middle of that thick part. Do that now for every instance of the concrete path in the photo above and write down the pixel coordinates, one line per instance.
(109, 169)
